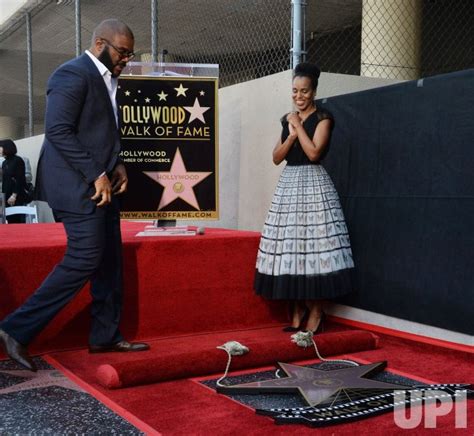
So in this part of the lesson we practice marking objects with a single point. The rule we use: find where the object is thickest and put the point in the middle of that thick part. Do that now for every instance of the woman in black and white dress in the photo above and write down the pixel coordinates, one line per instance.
(304, 254)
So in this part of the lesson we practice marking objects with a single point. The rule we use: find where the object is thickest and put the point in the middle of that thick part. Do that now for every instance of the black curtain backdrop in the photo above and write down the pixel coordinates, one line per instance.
(402, 160)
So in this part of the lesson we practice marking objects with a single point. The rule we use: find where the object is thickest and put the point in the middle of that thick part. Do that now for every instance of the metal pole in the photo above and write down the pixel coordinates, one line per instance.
(298, 18)
(30, 73)
(77, 13)
(154, 30)
(154, 58)
(163, 54)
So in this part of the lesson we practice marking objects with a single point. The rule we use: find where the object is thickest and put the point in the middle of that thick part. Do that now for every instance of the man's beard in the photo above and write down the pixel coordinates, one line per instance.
(106, 59)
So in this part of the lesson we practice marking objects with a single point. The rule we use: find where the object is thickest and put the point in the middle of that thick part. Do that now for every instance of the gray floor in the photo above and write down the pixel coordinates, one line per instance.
(47, 402)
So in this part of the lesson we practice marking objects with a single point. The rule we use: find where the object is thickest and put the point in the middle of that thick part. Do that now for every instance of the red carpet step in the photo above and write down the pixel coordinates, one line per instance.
(173, 285)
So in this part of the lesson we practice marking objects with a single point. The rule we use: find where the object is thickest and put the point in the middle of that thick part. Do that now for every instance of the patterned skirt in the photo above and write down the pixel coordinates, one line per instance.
(304, 250)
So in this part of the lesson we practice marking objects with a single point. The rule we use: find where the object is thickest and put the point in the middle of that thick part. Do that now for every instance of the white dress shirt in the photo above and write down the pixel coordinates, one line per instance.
(110, 82)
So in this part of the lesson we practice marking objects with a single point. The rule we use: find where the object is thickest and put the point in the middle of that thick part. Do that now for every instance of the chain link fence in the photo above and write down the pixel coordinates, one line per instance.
(398, 39)
(248, 39)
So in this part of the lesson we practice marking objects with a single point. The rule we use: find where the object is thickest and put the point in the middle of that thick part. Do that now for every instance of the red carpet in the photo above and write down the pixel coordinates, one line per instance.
(188, 295)
(187, 407)
(198, 356)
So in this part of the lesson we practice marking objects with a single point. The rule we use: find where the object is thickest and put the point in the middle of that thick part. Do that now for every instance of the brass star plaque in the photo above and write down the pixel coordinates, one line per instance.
(316, 385)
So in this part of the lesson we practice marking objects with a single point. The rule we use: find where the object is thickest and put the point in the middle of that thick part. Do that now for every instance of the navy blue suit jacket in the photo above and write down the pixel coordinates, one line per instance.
(81, 137)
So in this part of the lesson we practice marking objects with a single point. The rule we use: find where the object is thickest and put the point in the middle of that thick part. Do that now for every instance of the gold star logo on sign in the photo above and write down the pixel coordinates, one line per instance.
(162, 95)
(181, 90)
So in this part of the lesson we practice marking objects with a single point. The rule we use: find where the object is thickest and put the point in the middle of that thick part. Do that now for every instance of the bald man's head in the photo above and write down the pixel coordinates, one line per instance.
(112, 44)
(110, 28)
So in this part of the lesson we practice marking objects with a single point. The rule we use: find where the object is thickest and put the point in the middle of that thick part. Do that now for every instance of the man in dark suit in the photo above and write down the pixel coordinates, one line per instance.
(79, 175)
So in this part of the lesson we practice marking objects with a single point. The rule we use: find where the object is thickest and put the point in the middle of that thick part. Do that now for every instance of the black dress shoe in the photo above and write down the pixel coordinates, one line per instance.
(120, 347)
(16, 351)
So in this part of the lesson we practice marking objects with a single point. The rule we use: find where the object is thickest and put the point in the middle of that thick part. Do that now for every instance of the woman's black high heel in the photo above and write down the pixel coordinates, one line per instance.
(302, 321)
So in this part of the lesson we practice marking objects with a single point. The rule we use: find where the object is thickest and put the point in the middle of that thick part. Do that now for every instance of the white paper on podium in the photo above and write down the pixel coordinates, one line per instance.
(167, 231)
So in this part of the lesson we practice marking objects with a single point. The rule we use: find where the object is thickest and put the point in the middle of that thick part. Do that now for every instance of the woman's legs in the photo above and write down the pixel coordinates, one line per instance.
(315, 314)
(299, 312)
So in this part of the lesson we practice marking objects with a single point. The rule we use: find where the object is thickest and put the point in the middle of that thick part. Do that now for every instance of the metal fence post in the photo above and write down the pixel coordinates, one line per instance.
(298, 19)
(154, 30)
(77, 13)
(29, 51)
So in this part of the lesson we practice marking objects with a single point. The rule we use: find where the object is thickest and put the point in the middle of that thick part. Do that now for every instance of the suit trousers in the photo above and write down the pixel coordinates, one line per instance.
(94, 252)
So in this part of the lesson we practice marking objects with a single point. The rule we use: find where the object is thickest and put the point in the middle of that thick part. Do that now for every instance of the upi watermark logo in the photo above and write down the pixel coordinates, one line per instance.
(411, 406)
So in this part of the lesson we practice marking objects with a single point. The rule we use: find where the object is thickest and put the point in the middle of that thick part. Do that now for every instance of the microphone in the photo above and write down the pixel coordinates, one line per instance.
(200, 231)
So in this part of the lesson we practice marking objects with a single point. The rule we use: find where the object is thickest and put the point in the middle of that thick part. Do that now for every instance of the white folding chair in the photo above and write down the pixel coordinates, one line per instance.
(30, 211)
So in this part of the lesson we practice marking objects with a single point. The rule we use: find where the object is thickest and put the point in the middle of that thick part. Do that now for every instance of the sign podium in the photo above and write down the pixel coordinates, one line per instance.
(169, 130)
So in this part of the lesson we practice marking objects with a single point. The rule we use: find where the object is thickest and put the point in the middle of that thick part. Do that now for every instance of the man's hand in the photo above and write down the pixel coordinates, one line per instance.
(103, 191)
(119, 179)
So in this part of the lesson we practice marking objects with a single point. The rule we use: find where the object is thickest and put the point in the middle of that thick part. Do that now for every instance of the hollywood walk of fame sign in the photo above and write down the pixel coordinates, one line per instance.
(169, 136)
(337, 396)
